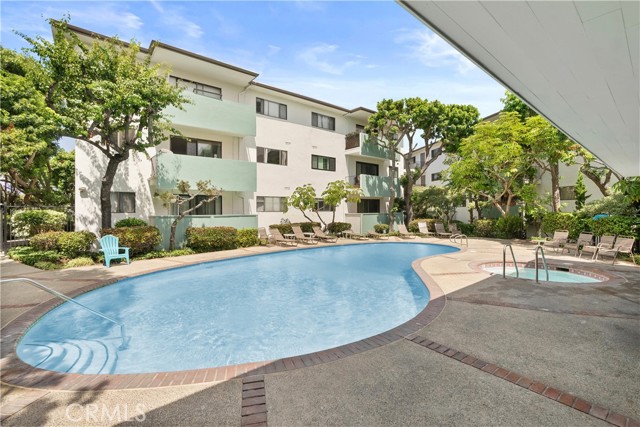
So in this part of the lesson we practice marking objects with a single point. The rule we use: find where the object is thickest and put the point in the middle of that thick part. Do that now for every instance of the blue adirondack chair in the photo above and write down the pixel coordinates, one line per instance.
(111, 249)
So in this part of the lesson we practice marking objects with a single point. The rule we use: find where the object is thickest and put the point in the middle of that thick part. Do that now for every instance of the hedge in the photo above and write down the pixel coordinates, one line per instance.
(617, 225)
(509, 227)
(31, 256)
(71, 244)
(338, 227)
(307, 227)
(131, 222)
(207, 239)
(27, 223)
(552, 221)
(381, 228)
(413, 225)
(248, 237)
(139, 240)
(484, 227)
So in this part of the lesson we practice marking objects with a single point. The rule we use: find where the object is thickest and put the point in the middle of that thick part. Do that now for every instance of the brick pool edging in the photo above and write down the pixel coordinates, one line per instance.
(16, 372)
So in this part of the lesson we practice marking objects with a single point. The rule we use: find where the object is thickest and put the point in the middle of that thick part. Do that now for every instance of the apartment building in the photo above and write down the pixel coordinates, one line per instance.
(255, 142)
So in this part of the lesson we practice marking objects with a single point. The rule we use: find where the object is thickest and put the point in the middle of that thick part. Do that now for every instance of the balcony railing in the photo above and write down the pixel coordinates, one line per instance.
(163, 223)
(372, 185)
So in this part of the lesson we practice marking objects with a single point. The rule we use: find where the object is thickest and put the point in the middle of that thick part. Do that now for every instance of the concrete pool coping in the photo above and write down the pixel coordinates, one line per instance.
(19, 373)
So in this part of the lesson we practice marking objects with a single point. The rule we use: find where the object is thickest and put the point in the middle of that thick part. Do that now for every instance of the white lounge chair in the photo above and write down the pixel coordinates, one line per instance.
(280, 240)
(560, 238)
(606, 242)
(300, 236)
(424, 229)
(584, 239)
(440, 231)
(623, 245)
(322, 236)
(404, 233)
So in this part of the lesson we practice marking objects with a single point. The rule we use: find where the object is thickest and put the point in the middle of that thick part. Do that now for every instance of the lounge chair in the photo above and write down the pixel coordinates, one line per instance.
(623, 245)
(322, 236)
(584, 239)
(377, 236)
(111, 250)
(279, 239)
(440, 231)
(264, 236)
(560, 238)
(404, 233)
(353, 235)
(424, 229)
(453, 228)
(300, 236)
(606, 242)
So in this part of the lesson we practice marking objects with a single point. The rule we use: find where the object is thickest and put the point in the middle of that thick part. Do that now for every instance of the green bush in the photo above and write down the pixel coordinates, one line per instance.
(466, 228)
(80, 262)
(552, 221)
(248, 237)
(616, 204)
(338, 227)
(46, 241)
(139, 240)
(131, 222)
(381, 228)
(30, 222)
(46, 265)
(413, 225)
(484, 227)
(164, 254)
(208, 239)
(307, 227)
(31, 256)
(509, 227)
(618, 225)
(73, 244)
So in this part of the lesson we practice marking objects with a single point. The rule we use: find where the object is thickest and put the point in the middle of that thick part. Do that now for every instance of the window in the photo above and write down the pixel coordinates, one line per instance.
(369, 206)
(323, 163)
(436, 152)
(270, 108)
(269, 155)
(321, 206)
(213, 207)
(568, 192)
(197, 87)
(436, 176)
(270, 204)
(322, 121)
(123, 202)
(196, 147)
(366, 169)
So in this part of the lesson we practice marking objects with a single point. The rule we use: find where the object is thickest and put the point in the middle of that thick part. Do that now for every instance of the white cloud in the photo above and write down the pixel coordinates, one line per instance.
(315, 57)
(428, 48)
(272, 50)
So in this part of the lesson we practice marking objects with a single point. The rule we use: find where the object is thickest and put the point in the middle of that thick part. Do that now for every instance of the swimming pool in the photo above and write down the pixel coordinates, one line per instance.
(235, 311)
(554, 275)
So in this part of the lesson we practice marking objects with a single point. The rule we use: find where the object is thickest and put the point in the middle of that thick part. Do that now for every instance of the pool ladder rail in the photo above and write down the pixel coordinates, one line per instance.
(454, 239)
(504, 262)
(125, 339)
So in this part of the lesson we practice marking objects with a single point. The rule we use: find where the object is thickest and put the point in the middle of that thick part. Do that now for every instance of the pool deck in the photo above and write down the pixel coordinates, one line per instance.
(500, 352)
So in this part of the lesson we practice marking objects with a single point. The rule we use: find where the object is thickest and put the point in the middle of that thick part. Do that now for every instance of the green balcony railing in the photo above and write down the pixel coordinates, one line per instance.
(226, 174)
(359, 145)
(225, 117)
(377, 186)
(163, 222)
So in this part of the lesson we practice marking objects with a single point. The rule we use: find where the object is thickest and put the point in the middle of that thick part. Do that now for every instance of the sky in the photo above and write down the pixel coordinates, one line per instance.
(347, 53)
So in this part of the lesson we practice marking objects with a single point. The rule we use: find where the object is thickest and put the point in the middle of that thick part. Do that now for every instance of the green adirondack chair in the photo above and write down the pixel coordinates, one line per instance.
(111, 249)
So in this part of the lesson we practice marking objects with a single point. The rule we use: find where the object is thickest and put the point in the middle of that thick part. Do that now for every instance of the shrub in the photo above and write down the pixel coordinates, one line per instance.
(139, 240)
(616, 204)
(618, 225)
(46, 241)
(552, 221)
(164, 254)
(46, 265)
(338, 227)
(509, 227)
(381, 228)
(80, 262)
(466, 228)
(30, 256)
(248, 237)
(484, 227)
(307, 227)
(208, 239)
(28, 223)
(73, 244)
(131, 222)
(413, 225)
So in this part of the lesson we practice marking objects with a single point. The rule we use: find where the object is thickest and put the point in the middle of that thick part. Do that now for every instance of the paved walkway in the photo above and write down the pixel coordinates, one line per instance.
(502, 352)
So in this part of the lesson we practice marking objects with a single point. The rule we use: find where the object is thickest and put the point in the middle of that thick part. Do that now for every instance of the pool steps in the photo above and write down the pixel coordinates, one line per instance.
(77, 356)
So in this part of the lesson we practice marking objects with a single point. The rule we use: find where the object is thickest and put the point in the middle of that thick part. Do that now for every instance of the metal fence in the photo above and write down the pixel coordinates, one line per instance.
(10, 240)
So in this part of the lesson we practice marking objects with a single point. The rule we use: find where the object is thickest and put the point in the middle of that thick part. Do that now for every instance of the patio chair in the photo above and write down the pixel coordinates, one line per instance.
(353, 235)
(440, 231)
(263, 236)
(606, 242)
(301, 237)
(560, 238)
(279, 239)
(322, 236)
(583, 240)
(377, 236)
(424, 229)
(404, 233)
(111, 249)
(453, 228)
(623, 245)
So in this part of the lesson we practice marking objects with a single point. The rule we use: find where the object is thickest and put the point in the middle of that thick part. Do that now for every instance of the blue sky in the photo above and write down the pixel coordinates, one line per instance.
(347, 53)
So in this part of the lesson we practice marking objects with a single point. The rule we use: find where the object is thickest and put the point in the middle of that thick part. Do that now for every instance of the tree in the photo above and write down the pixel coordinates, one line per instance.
(513, 104)
(339, 191)
(581, 192)
(596, 171)
(105, 95)
(492, 163)
(184, 197)
(304, 199)
(438, 202)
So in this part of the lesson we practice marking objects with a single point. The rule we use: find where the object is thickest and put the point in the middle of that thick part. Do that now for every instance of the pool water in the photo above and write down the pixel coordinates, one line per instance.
(554, 275)
(235, 311)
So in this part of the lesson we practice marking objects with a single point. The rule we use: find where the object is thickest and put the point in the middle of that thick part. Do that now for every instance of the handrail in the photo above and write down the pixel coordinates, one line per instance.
(544, 261)
(504, 261)
(461, 236)
(125, 341)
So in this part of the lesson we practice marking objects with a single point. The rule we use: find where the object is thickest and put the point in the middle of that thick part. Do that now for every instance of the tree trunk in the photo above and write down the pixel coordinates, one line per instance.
(392, 194)
(555, 187)
(602, 186)
(408, 192)
(172, 236)
(106, 184)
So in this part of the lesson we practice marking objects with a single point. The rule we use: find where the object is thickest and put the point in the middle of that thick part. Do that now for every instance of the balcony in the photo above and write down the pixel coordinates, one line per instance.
(356, 145)
(163, 222)
(226, 174)
(374, 186)
(224, 117)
